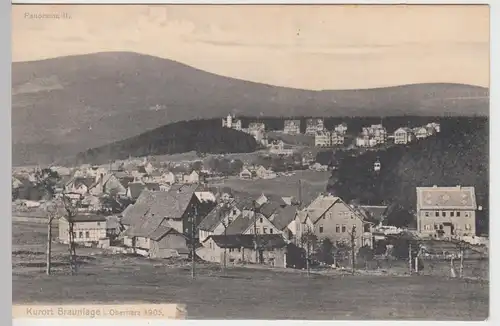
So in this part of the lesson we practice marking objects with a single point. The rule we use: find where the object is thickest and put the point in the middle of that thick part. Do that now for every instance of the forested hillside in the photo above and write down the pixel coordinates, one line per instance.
(459, 155)
(204, 136)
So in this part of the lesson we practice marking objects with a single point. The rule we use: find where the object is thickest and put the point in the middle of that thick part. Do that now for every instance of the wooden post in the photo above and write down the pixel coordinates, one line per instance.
(410, 258)
(353, 248)
(193, 244)
(256, 240)
(307, 255)
(461, 262)
(49, 244)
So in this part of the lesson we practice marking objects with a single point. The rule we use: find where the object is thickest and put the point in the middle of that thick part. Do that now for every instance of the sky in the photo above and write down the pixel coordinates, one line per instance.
(301, 46)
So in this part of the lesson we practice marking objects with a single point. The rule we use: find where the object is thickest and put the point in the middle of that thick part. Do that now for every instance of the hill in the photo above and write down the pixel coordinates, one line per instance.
(459, 155)
(66, 105)
(203, 136)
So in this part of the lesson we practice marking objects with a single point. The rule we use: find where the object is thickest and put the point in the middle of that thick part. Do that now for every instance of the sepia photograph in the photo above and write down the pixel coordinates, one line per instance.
(308, 162)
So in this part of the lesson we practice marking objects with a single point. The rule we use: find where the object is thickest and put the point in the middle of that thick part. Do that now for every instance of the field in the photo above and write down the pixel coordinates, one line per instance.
(240, 293)
(313, 183)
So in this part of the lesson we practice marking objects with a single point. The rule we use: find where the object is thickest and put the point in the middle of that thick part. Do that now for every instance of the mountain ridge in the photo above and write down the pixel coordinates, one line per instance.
(86, 101)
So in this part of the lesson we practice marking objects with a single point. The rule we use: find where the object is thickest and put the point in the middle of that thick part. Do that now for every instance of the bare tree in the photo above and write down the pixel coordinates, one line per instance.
(352, 234)
(45, 181)
(224, 218)
(308, 241)
(71, 206)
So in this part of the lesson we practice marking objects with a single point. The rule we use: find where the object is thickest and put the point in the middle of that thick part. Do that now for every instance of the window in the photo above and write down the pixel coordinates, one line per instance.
(74, 235)
(231, 249)
(426, 214)
(271, 231)
(452, 214)
(468, 227)
(427, 227)
(87, 234)
(467, 215)
(98, 223)
(239, 249)
(264, 230)
(443, 214)
(234, 212)
(80, 234)
(437, 214)
(458, 214)
(261, 220)
(435, 226)
(321, 229)
(343, 228)
(337, 229)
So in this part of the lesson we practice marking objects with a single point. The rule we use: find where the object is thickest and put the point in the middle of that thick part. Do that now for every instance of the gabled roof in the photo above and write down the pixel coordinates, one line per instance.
(146, 226)
(376, 213)
(320, 205)
(265, 241)
(77, 182)
(213, 219)
(269, 208)
(135, 189)
(240, 224)
(283, 217)
(142, 205)
(161, 232)
(446, 198)
(170, 204)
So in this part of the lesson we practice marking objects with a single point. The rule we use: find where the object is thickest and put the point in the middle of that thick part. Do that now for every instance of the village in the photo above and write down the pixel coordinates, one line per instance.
(186, 210)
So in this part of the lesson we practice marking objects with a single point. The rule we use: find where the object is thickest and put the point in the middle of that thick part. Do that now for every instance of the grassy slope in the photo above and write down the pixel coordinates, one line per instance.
(246, 293)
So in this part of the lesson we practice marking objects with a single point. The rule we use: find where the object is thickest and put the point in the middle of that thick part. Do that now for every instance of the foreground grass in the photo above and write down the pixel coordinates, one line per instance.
(244, 293)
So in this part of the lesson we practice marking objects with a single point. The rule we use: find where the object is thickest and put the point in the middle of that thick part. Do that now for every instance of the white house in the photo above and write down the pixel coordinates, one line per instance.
(292, 127)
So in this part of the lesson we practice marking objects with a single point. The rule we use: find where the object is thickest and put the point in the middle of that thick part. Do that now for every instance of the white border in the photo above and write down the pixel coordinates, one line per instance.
(5, 119)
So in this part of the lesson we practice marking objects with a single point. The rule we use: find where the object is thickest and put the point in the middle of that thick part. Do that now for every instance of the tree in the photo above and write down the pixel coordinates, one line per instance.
(326, 252)
(197, 166)
(366, 254)
(71, 206)
(45, 182)
(308, 241)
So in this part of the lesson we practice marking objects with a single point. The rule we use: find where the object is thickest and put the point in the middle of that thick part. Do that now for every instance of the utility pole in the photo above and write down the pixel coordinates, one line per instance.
(300, 193)
(256, 240)
(193, 243)
(353, 248)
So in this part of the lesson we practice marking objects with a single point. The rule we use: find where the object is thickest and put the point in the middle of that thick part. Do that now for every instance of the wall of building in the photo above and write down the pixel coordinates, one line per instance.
(167, 246)
(336, 224)
(465, 224)
(84, 232)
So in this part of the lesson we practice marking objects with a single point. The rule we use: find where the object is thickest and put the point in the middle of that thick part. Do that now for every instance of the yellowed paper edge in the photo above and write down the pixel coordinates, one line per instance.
(122, 311)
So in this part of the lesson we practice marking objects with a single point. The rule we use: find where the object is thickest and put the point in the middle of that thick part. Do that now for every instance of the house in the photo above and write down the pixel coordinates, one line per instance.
(241, 249)
(281, 217)
(88, 229)
(245, 174)
(403, 135)
(135, 189)
(231, 122)
(435, 125)
(113, 226)
(300, 225)
(90, 203)
(278, 147)
(337, 138)
(375, 213)
(313, 126)
(334, 219)
(341, 128)
(154, 237)
(107, 184)
(193, 177)
(291, 127)
(322, 139)
(263, 173)
(218, 220)
(178, 206)
(446, 211)
(250, 222)
(80, 185)
(421, 132)
(168, 178)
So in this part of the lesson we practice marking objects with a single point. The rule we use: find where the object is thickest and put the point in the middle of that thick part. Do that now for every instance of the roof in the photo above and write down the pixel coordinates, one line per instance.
(212, 220)
(146, 226)
(87, 218)
(170, 204)
(135, 189)
(283, 217)
(240, 224)
(88, 182)
(446, 198)
(265, 241)
(405, 129)
(140, 208)
(160, 232)
(153, 186)
(375, 212)
(269, 208)
(320, 205)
